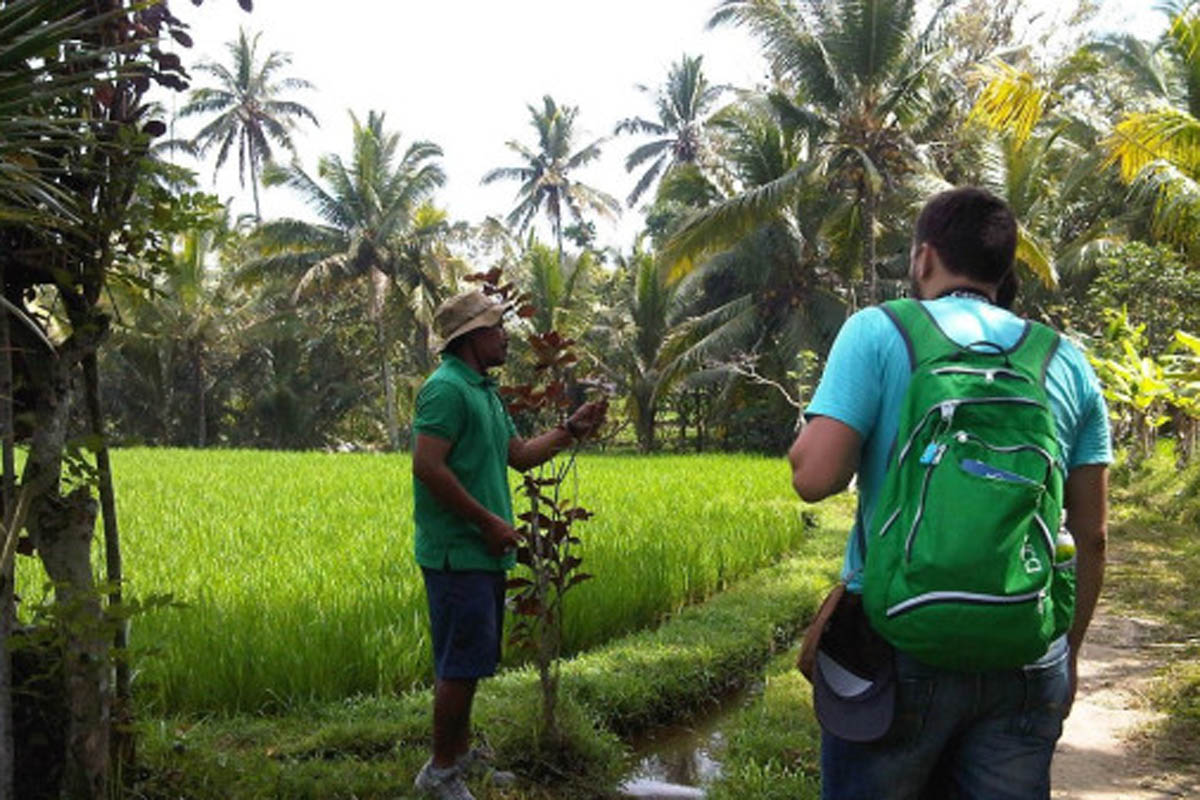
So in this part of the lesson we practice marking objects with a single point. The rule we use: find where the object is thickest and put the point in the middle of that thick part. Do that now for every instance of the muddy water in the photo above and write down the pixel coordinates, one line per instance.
(678, 761)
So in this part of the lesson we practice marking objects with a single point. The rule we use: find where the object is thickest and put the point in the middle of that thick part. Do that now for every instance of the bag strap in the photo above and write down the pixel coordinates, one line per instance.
(926, 341)
(1036, 349)
(923, 339)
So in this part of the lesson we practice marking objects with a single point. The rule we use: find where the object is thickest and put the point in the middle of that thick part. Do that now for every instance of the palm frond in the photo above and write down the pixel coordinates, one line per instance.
(1144, 138)
(1033, 253)
(507, 173)
(646, 152)
(727, 222)
(1010, 100)
(871, 37)
(732, 327)
(1175, 195)
(330, 207)
(639, 125)
(789, 46)
(1136, 58)
(647, 179)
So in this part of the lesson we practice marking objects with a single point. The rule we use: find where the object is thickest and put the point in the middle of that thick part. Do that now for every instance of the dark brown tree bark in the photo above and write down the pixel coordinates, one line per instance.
(61, 524)
(7, 578)
(122, 739)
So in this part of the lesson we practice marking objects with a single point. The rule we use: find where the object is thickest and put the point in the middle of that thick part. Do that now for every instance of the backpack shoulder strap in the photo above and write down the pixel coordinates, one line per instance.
(1036, 349)
(922, 336)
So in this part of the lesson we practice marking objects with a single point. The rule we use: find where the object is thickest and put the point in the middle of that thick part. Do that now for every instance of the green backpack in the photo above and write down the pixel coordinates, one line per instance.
(960, 568)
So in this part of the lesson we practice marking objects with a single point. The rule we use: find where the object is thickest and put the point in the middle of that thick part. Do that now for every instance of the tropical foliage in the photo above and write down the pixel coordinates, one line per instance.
(374, 231)
(770, 214)
(765, 215)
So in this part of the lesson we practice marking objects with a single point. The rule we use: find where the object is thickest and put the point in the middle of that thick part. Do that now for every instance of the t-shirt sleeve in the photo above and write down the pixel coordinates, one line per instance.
(851, 387)
(440, 411)
(1093, 444)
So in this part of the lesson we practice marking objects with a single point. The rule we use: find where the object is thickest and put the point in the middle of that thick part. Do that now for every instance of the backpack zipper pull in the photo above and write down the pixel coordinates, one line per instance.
(933, 454)
(948, 408)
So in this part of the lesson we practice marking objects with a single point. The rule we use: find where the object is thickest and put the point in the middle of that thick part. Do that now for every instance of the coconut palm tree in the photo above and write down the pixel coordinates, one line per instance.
(627, 340)
(250, 113)
(1157, 147)
(547, 184)
(427, 271)
(856, 70)
(683, 103)
(368, 209)
(1047, 155)
(759, 283)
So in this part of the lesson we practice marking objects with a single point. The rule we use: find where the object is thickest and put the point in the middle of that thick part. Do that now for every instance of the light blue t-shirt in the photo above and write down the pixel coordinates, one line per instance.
(867, 374)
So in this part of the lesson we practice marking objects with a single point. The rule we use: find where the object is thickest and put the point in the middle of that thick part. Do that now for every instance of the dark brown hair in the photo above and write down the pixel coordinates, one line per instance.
(973, 231)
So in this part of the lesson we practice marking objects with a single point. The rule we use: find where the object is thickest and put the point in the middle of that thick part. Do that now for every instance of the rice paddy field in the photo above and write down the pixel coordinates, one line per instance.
(298, 582)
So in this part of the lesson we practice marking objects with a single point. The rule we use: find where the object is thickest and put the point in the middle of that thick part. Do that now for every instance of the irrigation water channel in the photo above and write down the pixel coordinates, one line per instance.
(679, 761)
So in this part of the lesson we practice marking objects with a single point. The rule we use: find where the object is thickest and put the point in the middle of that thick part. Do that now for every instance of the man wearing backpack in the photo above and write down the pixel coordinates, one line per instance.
(950, 663)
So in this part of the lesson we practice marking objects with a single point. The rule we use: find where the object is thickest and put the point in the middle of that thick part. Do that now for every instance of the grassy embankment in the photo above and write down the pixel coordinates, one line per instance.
(1154, 573)
(298, 577)
(371, 747)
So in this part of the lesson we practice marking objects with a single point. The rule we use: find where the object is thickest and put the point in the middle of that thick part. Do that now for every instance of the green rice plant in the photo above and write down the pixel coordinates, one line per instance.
(299, 584)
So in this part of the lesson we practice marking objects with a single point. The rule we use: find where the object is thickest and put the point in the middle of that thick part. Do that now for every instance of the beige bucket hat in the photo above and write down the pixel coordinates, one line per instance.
(464, 313)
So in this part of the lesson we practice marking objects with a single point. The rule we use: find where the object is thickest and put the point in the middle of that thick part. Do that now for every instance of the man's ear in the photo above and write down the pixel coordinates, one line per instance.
(926, 261)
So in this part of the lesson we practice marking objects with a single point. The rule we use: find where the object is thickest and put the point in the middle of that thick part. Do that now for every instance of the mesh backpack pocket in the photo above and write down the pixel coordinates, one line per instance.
(960, 551)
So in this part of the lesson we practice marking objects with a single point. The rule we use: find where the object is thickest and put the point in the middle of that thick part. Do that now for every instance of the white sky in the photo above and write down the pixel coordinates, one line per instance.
(461, 73)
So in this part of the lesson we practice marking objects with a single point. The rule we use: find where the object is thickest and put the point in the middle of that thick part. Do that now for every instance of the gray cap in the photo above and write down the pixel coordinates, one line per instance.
(854, 675)
(854, 707)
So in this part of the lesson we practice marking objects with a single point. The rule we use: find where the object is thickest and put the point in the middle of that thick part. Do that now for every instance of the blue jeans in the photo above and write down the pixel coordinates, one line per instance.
(958, 736)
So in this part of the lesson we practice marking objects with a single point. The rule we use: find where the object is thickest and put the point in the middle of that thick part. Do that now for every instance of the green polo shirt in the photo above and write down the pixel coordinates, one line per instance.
(463, 407)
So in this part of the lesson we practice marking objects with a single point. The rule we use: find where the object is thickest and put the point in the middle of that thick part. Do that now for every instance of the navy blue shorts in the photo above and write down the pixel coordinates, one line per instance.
(466, 618)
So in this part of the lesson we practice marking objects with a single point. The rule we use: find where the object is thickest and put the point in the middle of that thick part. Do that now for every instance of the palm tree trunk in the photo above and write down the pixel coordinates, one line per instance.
(645, 418)
(254, 186)
(558, 238)
(389, 388)
(869, 213)
(378, 282)
(201, 395)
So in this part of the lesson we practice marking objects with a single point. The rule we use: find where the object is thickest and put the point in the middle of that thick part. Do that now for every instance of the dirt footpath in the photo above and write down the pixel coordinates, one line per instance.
(1097, 758)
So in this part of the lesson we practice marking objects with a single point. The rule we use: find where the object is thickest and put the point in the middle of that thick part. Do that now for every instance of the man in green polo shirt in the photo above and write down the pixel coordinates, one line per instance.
(465, 540)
